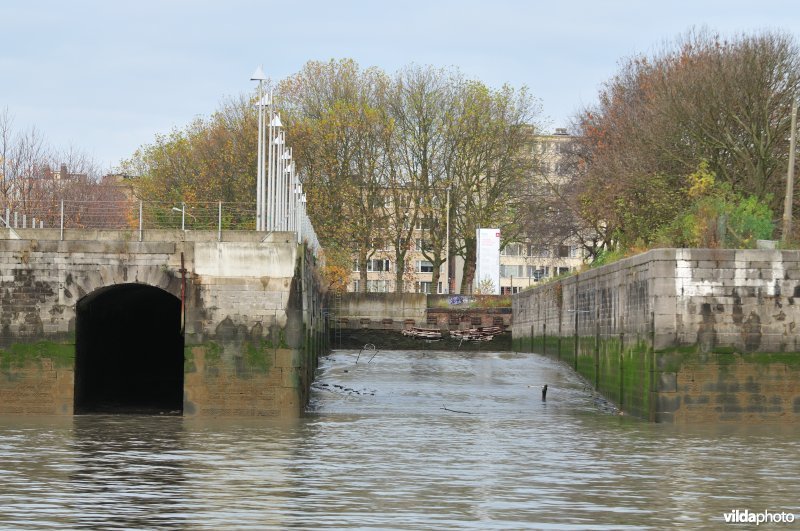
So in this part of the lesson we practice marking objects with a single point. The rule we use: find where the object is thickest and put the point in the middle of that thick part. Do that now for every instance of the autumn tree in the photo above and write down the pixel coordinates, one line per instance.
(721, 102)
(340, 129)
(211, 159)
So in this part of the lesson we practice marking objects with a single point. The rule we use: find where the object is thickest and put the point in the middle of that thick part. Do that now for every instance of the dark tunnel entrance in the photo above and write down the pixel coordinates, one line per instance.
(129, 351)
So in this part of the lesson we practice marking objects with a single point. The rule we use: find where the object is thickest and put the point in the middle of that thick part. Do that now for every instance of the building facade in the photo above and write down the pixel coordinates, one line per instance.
(523, 263)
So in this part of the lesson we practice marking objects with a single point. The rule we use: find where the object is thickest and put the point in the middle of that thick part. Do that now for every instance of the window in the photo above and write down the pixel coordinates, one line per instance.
(424, 266)
(356, 267)
(421, 245)
(575, 251)
(355, 286)
(563, 251)
(377, 286)
(508, 290)
(563, 270)
(536, 250)
(422, 287)
(378, 264)
(512, 249)
(423, 223)
(439, 288)
(507, 271)
(537, 273)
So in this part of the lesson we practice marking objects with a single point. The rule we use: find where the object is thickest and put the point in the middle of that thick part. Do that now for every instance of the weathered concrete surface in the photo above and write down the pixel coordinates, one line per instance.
(684, 335)
(247, 304)
(379, 306)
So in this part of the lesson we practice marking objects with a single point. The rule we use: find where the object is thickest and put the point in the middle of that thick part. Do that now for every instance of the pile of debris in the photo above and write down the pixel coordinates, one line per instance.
(485, 333)
(423, 333)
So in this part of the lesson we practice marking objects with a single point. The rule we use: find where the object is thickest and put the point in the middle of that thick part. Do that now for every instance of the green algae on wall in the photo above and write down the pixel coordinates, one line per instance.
(259, 355)
(17, 355)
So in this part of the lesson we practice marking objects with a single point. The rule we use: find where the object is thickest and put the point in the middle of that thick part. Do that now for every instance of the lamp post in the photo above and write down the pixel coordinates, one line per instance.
(182, 210)
(275, 122)
(447, 247)
(278, 180)
(789, 200)
(288, 194)
(259, 76)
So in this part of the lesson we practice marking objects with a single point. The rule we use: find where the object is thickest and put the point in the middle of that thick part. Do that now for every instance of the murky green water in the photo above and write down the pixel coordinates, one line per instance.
(412, 440)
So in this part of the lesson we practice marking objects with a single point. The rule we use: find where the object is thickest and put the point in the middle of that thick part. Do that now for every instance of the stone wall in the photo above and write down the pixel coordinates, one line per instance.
(677, 334)
(253, 319)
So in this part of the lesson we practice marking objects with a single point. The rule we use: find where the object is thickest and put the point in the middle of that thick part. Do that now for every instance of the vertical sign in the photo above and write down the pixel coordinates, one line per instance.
(487, 273)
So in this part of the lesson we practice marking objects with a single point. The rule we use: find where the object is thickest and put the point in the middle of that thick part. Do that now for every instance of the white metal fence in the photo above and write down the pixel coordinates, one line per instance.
(145, 215)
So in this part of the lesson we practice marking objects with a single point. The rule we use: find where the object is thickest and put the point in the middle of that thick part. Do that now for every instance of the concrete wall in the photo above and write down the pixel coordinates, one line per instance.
(254, 323)
(395, 311)
(372, 309)
(677, 334)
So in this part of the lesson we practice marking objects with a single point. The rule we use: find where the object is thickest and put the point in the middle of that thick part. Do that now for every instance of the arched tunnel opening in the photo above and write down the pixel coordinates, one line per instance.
(129, 351)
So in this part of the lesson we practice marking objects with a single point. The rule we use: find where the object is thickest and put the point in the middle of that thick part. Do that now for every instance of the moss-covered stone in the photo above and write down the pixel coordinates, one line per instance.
(21, 354)
(258, 356)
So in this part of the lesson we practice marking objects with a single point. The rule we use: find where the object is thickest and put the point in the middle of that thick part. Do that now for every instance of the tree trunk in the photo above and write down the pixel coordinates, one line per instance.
(437, 265)
(362, 267)
(399, 271)
(470, 258)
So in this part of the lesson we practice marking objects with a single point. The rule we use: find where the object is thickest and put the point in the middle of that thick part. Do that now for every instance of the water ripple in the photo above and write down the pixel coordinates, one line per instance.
(414, 440)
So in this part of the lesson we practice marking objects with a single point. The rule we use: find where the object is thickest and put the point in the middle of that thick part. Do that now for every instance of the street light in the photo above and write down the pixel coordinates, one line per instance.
(259, 76)
(274, 122)
(278, 179)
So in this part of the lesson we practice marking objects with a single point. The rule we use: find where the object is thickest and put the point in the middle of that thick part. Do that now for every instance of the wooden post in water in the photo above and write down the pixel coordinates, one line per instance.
(544, 338)
(597, 347)
(532, 335)
(653, 390)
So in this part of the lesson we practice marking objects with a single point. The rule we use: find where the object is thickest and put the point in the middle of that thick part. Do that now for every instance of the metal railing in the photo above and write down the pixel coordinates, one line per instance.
(142, 216)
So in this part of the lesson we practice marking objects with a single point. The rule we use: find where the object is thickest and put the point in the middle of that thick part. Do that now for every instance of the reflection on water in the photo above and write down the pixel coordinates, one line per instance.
(434, 440)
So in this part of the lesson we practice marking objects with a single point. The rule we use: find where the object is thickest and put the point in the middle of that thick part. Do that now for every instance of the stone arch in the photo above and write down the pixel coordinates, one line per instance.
(129, 349)
(78, 284)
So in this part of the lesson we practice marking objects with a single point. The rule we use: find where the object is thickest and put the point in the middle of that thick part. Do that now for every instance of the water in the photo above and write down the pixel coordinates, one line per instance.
(412, 440)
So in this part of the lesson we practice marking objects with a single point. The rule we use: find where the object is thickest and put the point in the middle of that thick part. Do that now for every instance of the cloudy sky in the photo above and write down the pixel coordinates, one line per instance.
(106, 76)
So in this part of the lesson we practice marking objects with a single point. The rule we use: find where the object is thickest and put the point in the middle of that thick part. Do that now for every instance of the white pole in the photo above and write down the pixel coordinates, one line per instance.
(260, 167)
(62, 220)
(279, 181)
(282, 177)
(447, 247)
(183, 217)
(789, 200)
(140, 221)
(259, 76)
(265, 182)
(270, 177)
(219, 223)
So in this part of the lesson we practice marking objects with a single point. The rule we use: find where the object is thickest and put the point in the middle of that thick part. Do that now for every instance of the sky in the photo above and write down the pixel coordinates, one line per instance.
(105, 77)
